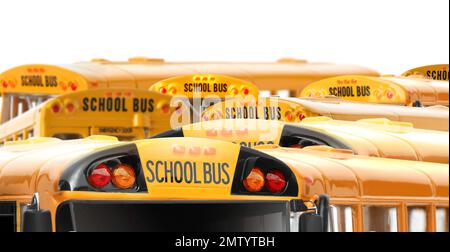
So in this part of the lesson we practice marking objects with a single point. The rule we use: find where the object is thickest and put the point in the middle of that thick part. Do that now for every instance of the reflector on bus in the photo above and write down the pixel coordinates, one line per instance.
(435, 72)
(383, 90)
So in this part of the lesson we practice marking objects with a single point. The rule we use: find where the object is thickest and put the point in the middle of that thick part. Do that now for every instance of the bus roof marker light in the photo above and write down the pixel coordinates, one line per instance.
(163, 90)
(195, 150)
(178, 149)
(210, 151)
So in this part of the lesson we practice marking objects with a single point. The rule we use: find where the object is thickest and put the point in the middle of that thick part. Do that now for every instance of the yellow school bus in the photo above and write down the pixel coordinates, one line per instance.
(385, 90)
(126, 113)
(194, 184)
(435, 72)
(372, 194)
(367, 137)
(195, 93)
(295, 110)
(141, 72)
(101, 184)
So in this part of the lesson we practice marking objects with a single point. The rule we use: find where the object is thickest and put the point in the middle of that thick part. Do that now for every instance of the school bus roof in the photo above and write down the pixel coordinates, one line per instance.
(386, 89)
(345, 175)
(374, 137)
(143, 72)
(435, 72)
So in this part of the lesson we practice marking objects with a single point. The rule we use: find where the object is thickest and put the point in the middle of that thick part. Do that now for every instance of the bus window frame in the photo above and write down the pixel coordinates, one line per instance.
(332, 221)
(428, 212)
(399, 214)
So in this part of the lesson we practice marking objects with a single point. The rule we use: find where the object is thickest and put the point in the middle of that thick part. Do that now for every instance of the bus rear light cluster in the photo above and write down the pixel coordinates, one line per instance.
(121, 176)
(274, 181)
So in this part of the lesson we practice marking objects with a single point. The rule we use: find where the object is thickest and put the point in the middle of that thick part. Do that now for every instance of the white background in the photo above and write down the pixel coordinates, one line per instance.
(390, 36)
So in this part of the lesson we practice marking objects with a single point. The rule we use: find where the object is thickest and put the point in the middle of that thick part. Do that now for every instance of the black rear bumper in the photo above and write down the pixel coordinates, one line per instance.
(173, 216)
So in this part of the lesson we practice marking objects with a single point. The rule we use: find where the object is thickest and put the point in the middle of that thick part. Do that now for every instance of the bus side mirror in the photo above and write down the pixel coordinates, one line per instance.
(310, 222)
(37, 221)
(313, 221)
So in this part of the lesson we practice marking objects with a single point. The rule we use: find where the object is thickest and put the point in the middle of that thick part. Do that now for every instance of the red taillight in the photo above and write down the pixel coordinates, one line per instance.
(163, 90)
(301, 117)
(56, 108)
(165, 108)
(100, 176)
(275, 181)
(255, 180)
(245, 91)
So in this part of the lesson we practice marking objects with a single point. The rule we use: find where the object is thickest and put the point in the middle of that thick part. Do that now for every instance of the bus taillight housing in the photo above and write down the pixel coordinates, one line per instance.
(113, 170)
(260, 174)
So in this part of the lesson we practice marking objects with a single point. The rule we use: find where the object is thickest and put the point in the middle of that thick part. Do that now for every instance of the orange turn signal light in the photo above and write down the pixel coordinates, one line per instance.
(255, 180)
(124, 176)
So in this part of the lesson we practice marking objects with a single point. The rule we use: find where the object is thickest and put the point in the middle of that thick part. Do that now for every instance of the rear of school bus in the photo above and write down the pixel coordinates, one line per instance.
(382, 90)
(435, 72)
(295, 110)
(128, 114)
(100, 184)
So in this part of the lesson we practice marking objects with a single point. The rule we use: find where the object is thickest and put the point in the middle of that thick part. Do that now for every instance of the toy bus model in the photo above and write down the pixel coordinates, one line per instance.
(367, 137)
(435, 72)
(194, 184)
(297, 109)
(126, 113)
(385, 90)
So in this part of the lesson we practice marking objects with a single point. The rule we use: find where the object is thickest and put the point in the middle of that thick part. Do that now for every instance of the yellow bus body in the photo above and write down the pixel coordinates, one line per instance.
(384, 90)
(360, 182)
(435, 72)
(127, 113)
(52, 168)
(55, 170)
(297, 109)
(140, 72)
(377, 138)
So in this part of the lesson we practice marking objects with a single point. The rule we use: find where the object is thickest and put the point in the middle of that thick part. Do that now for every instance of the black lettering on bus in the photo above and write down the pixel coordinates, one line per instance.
(93, 104)
(226, 179)
(149, 165)
(51, 81)
(158, 178)
(178, 171)
(85, 104)
(207, 173)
